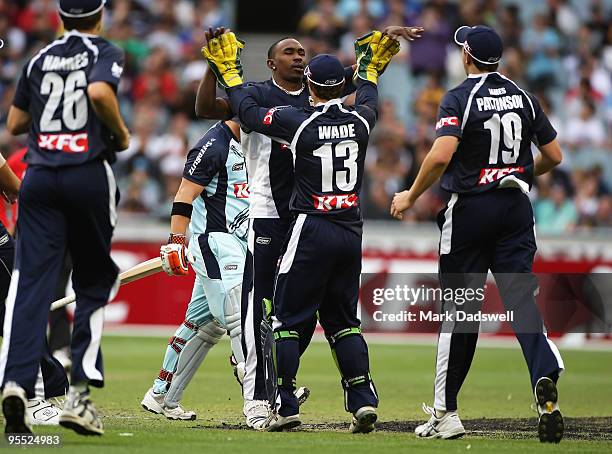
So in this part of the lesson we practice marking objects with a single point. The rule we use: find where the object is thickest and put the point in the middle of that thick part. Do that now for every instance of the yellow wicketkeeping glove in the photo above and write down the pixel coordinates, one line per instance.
(223, 57)
(374, 51)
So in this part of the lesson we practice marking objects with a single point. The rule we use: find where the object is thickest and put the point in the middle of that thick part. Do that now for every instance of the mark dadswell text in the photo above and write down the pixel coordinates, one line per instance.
(447, 316)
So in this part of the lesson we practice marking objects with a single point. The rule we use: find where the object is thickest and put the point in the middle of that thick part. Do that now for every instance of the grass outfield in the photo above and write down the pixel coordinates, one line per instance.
(498, 387)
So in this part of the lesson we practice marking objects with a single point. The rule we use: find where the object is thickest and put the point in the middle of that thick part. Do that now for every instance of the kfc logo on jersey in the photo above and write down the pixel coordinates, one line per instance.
(490, 175)
(70, 143)
(241, 190)
(447, 121)
(335, 202)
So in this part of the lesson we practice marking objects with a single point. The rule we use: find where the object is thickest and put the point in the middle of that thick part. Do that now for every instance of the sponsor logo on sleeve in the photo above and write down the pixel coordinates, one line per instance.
(116, 70)
(268, 117)
(447, 121)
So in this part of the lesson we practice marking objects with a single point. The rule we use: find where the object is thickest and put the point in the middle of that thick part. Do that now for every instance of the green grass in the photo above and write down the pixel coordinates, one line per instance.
(497, 387)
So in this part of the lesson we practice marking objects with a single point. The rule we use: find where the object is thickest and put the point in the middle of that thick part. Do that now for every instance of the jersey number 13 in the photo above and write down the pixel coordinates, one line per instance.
(345, 179)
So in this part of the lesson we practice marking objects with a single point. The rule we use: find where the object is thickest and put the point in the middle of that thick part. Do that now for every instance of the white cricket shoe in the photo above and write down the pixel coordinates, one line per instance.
(363, 420)
(302, 394)
(42, 413)
(446, 427)
(257, 413)
(14, 404)
(154, 403)
(80, 415)
(278, 423)
(550, 421)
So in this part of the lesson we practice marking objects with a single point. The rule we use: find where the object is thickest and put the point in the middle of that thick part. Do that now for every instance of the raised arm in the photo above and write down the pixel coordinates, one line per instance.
(279, 122)
(207, 104)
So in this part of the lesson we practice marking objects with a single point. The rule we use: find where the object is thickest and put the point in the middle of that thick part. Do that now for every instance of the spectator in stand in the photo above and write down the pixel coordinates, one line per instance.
(586, 130)
(428, 54)
(555, 213)
(387, 169)
(541, 44)
(157, 82)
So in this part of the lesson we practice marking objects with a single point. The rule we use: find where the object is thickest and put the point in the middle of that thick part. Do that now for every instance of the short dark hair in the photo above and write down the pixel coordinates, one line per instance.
(485, 67)
(272, 47)
(327, 92)
(81, 23)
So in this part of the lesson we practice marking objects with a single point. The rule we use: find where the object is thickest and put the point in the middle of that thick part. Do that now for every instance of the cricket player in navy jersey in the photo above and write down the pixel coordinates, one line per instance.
(52, 381)
(270, 172)
(213, 199)
(328, 143)
(66, 101)
(483, 155)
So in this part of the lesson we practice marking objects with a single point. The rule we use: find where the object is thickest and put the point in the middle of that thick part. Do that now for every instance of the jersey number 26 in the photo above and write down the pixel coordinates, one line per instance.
(74, 112)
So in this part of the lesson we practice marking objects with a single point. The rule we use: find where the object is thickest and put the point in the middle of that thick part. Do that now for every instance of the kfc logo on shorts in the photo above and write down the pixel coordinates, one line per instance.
(70, 143)
(447, 121)
(335, 202)
(241, 190)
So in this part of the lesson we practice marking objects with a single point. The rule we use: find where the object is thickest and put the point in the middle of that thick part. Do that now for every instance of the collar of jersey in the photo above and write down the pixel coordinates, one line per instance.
(475, 76)
(292, 93)
(74, 32)
(329, 103)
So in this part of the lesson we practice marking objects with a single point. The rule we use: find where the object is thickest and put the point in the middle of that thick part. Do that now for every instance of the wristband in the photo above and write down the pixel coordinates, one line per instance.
(177, 238)
(182, 209)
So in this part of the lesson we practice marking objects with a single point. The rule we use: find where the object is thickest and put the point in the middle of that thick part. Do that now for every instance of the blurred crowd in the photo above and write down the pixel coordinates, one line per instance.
(561, 50)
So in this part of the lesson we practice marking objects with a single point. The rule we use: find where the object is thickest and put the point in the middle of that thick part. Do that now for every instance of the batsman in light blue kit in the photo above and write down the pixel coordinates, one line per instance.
(213, 201)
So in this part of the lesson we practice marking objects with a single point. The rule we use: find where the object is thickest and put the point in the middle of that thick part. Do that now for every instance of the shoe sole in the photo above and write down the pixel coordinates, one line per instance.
(73, 423)
(365, 424)
(14, 409)
(291, 424)
(550, 423)
(302, 394)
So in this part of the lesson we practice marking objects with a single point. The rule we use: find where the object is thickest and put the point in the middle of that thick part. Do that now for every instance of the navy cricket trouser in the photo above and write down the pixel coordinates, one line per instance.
(55, 382)
(265, 243)
(68, 207)
(493, 231)
(319, 272)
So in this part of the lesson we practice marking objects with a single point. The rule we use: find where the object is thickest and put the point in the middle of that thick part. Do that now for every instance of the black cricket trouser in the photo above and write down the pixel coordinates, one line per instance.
(320, 272)
(68, 207)
(55, 382)
(493, 231)
(265, 242)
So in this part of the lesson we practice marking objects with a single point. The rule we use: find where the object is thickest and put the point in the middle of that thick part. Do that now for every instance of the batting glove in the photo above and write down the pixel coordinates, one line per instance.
(374, 52)
(175, 256)
(223, 57)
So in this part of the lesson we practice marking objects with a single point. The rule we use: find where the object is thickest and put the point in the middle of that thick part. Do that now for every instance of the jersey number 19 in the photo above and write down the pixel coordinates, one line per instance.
(511, 127)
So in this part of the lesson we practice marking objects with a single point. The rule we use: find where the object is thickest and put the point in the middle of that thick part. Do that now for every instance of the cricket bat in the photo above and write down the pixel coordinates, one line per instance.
(144, 269)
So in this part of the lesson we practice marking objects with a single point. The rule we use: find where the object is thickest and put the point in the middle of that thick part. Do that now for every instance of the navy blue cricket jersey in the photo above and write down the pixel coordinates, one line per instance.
(53, 89)
(269, 162)
(496, 122)
(217, 163)
(328, 144)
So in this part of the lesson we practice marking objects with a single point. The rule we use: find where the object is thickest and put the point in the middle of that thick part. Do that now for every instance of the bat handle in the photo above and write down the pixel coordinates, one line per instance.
(63, 302)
